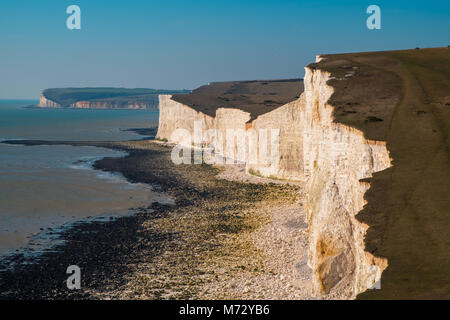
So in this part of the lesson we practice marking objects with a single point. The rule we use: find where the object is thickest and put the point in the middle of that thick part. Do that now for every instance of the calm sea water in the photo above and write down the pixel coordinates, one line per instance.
(45, 187)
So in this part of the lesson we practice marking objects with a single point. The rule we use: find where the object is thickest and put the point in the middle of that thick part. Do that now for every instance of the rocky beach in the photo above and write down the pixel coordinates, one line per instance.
(228, 236)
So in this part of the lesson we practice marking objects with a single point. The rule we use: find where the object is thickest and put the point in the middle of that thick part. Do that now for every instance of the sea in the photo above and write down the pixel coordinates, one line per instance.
(46, 188)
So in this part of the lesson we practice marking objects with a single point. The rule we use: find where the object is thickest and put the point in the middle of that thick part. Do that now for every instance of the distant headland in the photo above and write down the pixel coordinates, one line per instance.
(103, 98)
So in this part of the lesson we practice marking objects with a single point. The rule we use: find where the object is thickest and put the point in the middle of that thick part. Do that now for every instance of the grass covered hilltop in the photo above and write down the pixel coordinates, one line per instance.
(117, 96)
(256, 97)
(403, 98)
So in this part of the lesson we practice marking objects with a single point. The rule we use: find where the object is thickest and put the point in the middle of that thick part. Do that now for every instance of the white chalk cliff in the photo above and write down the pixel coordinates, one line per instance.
(331, 157)
(46, 103)
(336, 158)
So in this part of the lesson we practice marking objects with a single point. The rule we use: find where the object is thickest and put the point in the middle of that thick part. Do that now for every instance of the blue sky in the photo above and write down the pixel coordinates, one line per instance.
(177, 44)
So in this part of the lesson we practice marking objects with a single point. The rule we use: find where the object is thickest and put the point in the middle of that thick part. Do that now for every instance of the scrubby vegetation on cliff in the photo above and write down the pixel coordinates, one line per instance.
(256, 97)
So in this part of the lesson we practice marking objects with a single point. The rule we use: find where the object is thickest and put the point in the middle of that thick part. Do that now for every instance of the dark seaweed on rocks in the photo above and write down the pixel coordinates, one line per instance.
(161, 252)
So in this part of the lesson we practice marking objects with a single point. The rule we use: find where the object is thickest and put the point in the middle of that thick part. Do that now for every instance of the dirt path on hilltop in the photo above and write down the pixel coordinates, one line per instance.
(408, 204)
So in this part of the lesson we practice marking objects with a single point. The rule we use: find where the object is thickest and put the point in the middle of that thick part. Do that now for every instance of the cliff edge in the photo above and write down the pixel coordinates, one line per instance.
(404, 100)
(242, 107)
(369, 135)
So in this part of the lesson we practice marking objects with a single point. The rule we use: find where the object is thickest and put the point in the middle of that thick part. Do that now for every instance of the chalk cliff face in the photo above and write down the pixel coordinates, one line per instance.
(287, 120)
(45, 103)
(332, 157)
(336, 158)
(174, 115)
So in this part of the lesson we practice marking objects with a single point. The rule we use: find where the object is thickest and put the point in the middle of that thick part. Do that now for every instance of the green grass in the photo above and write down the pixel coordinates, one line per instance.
(256, 173)
(255, 97)
(67, 96)
(408, 208)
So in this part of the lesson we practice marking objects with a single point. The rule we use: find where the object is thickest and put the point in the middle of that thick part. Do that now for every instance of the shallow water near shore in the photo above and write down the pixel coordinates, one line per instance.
(45, 187)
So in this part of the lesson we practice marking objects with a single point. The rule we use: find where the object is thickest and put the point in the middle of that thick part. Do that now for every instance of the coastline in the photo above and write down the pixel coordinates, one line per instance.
(204, 243)
(36, 106)
(65, 189)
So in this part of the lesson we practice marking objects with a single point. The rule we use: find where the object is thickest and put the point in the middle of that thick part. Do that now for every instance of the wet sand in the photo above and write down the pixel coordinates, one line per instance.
(222, 239)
